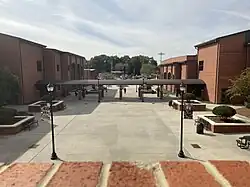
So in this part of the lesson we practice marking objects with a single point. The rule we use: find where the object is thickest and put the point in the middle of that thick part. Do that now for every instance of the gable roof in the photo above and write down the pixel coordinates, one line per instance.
(24, 40)
(209, 42)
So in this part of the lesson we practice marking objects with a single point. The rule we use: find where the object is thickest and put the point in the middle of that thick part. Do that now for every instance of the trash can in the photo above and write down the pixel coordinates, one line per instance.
(199, 128)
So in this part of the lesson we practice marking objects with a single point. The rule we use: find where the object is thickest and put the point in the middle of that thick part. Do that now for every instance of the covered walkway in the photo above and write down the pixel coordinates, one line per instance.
(135, 82)
(142, 83)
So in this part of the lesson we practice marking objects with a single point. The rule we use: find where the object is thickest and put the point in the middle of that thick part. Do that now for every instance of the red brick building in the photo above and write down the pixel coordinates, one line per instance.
(35, 65)
(182, 67)
(24, 59)
(220, 60)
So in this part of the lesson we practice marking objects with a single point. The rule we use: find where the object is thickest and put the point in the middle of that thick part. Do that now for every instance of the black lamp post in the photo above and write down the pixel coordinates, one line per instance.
(182, 89)
(50, 89)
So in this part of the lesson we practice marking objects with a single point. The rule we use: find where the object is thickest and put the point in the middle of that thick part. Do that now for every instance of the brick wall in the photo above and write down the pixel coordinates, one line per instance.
(208, 55)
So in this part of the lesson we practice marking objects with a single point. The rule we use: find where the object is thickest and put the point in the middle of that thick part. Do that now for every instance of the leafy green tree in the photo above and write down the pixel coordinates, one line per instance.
(240, 86)
(9, 87)
(148, 69)
(103, 63)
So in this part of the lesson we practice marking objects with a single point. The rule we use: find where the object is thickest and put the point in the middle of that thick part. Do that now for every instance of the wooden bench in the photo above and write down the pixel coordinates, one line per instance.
(30, 124)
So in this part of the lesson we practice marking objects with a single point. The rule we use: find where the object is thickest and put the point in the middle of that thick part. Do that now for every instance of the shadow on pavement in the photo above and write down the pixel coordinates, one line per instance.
(86, 105)
(192, 158)
(14, 146)
(133, 99)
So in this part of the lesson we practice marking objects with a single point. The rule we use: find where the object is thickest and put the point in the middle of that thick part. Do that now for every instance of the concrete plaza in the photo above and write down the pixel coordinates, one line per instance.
(117, 131)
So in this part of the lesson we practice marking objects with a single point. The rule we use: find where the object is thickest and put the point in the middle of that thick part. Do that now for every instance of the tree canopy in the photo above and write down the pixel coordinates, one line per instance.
(148, 69)
(9, 86)
(240, 86)
(133, 65)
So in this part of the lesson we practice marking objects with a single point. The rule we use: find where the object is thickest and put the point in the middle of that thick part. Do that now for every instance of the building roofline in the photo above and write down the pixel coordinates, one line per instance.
(216, 40)
(54, 50)
(185, 56)
(66, 52)
(25, 40)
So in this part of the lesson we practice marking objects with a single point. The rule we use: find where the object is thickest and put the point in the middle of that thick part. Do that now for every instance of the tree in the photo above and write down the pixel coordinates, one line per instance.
(148, 69)
(9, 86)
(240, 86)
(103, 63)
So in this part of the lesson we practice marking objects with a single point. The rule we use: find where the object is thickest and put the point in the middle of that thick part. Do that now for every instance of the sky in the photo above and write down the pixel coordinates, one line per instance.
(123, 27)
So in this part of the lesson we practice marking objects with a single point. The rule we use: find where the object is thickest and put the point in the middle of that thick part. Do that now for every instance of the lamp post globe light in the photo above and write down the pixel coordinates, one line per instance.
(182, 89)
(50, 89)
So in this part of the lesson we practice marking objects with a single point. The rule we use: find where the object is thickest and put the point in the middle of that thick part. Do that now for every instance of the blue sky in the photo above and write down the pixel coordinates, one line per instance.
(119, 27)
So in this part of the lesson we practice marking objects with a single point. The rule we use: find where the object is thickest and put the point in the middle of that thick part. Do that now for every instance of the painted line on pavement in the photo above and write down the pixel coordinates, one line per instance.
(104, 175)
(4, 166)
(45, 181)
(160, 177)
(212, 170)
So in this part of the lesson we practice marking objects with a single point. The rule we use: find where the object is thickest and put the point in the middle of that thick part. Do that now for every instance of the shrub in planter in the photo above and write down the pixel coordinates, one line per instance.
(237, 99)
(6, 115)
(189, 96)
(224, 111)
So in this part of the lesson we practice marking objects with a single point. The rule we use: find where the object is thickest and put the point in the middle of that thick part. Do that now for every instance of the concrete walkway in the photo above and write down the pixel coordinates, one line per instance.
(118, 131)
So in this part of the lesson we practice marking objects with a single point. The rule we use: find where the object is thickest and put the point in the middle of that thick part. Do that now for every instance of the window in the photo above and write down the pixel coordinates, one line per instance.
(201, 64)
(57, 67)
(39, 66)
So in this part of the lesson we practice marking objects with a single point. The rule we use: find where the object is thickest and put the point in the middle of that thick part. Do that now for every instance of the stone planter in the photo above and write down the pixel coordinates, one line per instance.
(16, 127)
(196, 105)
(224, 127)
(36, 107)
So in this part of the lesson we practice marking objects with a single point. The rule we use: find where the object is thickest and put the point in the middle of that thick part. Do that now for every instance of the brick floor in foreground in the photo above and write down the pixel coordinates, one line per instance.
(125, 174)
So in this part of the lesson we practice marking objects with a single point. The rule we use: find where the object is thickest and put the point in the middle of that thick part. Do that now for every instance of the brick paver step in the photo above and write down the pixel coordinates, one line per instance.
(119, 174)
(76, 174)
(236, 172)
(187, 174)
(24, 175)
(128, 174)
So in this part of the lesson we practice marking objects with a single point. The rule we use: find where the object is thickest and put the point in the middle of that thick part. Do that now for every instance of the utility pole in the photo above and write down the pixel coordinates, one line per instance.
(161, 54)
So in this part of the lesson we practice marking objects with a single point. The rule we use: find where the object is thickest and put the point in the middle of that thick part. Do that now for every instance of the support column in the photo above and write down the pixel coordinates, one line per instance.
(161, 92)
(158, 91)
(102, 92)
(139, 92)
(99, 95)
(120, 91)
(142, 95)
(83, 92)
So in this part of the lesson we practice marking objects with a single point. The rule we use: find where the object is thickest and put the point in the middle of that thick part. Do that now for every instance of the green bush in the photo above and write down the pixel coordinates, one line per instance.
(189, 96)
(6, 115)
(224, 111)
(237, 99)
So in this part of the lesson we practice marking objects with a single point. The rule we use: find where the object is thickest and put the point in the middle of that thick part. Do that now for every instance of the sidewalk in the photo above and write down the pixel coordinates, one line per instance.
(90, 174)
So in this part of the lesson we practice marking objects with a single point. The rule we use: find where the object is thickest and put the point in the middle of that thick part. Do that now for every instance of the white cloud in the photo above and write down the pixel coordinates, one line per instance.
(123, 27)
